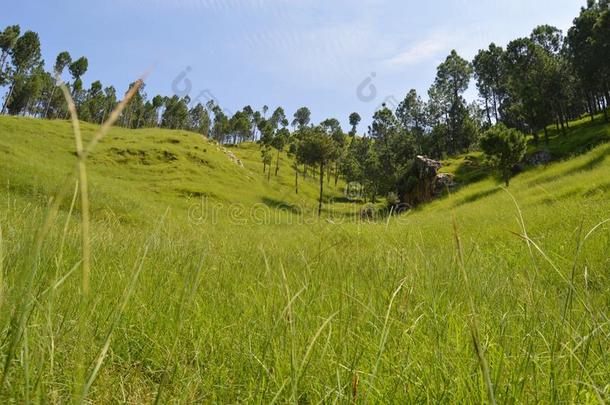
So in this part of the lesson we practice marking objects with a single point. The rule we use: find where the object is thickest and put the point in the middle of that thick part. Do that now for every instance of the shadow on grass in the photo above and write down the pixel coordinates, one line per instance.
(343, 200)
(578, 140)
(589, 165)
(551, 200)
(603, 189)
(473, 169)
(281, 205)
(477, 196)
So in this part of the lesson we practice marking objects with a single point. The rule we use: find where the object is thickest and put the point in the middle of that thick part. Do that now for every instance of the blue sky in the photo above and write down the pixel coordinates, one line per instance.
(316, 53)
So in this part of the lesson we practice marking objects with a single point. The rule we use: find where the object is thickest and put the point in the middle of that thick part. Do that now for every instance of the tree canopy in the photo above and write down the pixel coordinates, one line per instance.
(545, 78)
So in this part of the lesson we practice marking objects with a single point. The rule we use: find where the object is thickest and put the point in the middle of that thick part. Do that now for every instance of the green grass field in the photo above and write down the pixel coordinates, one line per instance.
(210, 283)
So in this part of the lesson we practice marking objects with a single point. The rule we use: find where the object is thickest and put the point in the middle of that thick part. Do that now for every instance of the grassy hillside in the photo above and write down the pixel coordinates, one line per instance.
(582, 136)
(248, 308)
(159, 168)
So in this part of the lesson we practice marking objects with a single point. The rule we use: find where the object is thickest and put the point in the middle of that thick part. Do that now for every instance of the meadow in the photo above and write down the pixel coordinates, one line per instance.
(488, 294)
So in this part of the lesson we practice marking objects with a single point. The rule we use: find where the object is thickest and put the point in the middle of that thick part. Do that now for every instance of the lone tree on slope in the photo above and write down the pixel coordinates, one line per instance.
(504, 148)
(317, 149)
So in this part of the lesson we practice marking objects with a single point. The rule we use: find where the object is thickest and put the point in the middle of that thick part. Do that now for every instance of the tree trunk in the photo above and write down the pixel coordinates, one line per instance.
(8, 97)
(46, 112)
(546, 135)
(269, 174)
(296, 179)
(604, 104)
(277, 163)
(321, 189)
(28, 107)
(564, 115)
(590, 105)
(487, 111)
(336, 174)
(3, 61)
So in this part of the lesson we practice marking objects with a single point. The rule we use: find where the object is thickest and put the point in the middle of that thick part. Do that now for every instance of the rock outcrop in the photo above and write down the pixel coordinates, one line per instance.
(424, 183)
(231, 156)
(541, 157)
(367, 213)
(443, 183)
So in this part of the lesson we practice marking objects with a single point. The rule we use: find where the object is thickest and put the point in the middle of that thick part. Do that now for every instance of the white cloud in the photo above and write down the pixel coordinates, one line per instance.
(322, 55)
(420, 52)
(216, 5)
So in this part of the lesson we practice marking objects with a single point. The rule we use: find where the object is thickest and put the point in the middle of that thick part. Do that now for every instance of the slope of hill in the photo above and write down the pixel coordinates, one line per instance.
(314, 311)
(158, 168)
(582, 136)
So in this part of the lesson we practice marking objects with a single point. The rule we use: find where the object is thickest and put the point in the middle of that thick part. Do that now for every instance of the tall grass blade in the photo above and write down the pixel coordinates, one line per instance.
(384, 335)
(84, 192)
(1, 268)
(472, 318)
(186, 299)
(117, 318)
(305, 361)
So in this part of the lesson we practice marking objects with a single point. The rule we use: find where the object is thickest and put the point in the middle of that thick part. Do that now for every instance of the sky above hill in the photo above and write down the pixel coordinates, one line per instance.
(334, 56)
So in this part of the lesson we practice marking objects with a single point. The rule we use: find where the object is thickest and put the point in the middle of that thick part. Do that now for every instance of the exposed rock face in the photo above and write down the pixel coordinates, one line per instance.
(232, 157)
(538, 158)
(424, 183)
(367, 213)
(444, 182)
(426, 168)
(420, 184)
(541, 157)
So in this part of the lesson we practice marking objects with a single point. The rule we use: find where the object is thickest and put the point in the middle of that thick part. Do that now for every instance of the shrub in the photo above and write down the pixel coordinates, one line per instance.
(504, 148)
(393, 199)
